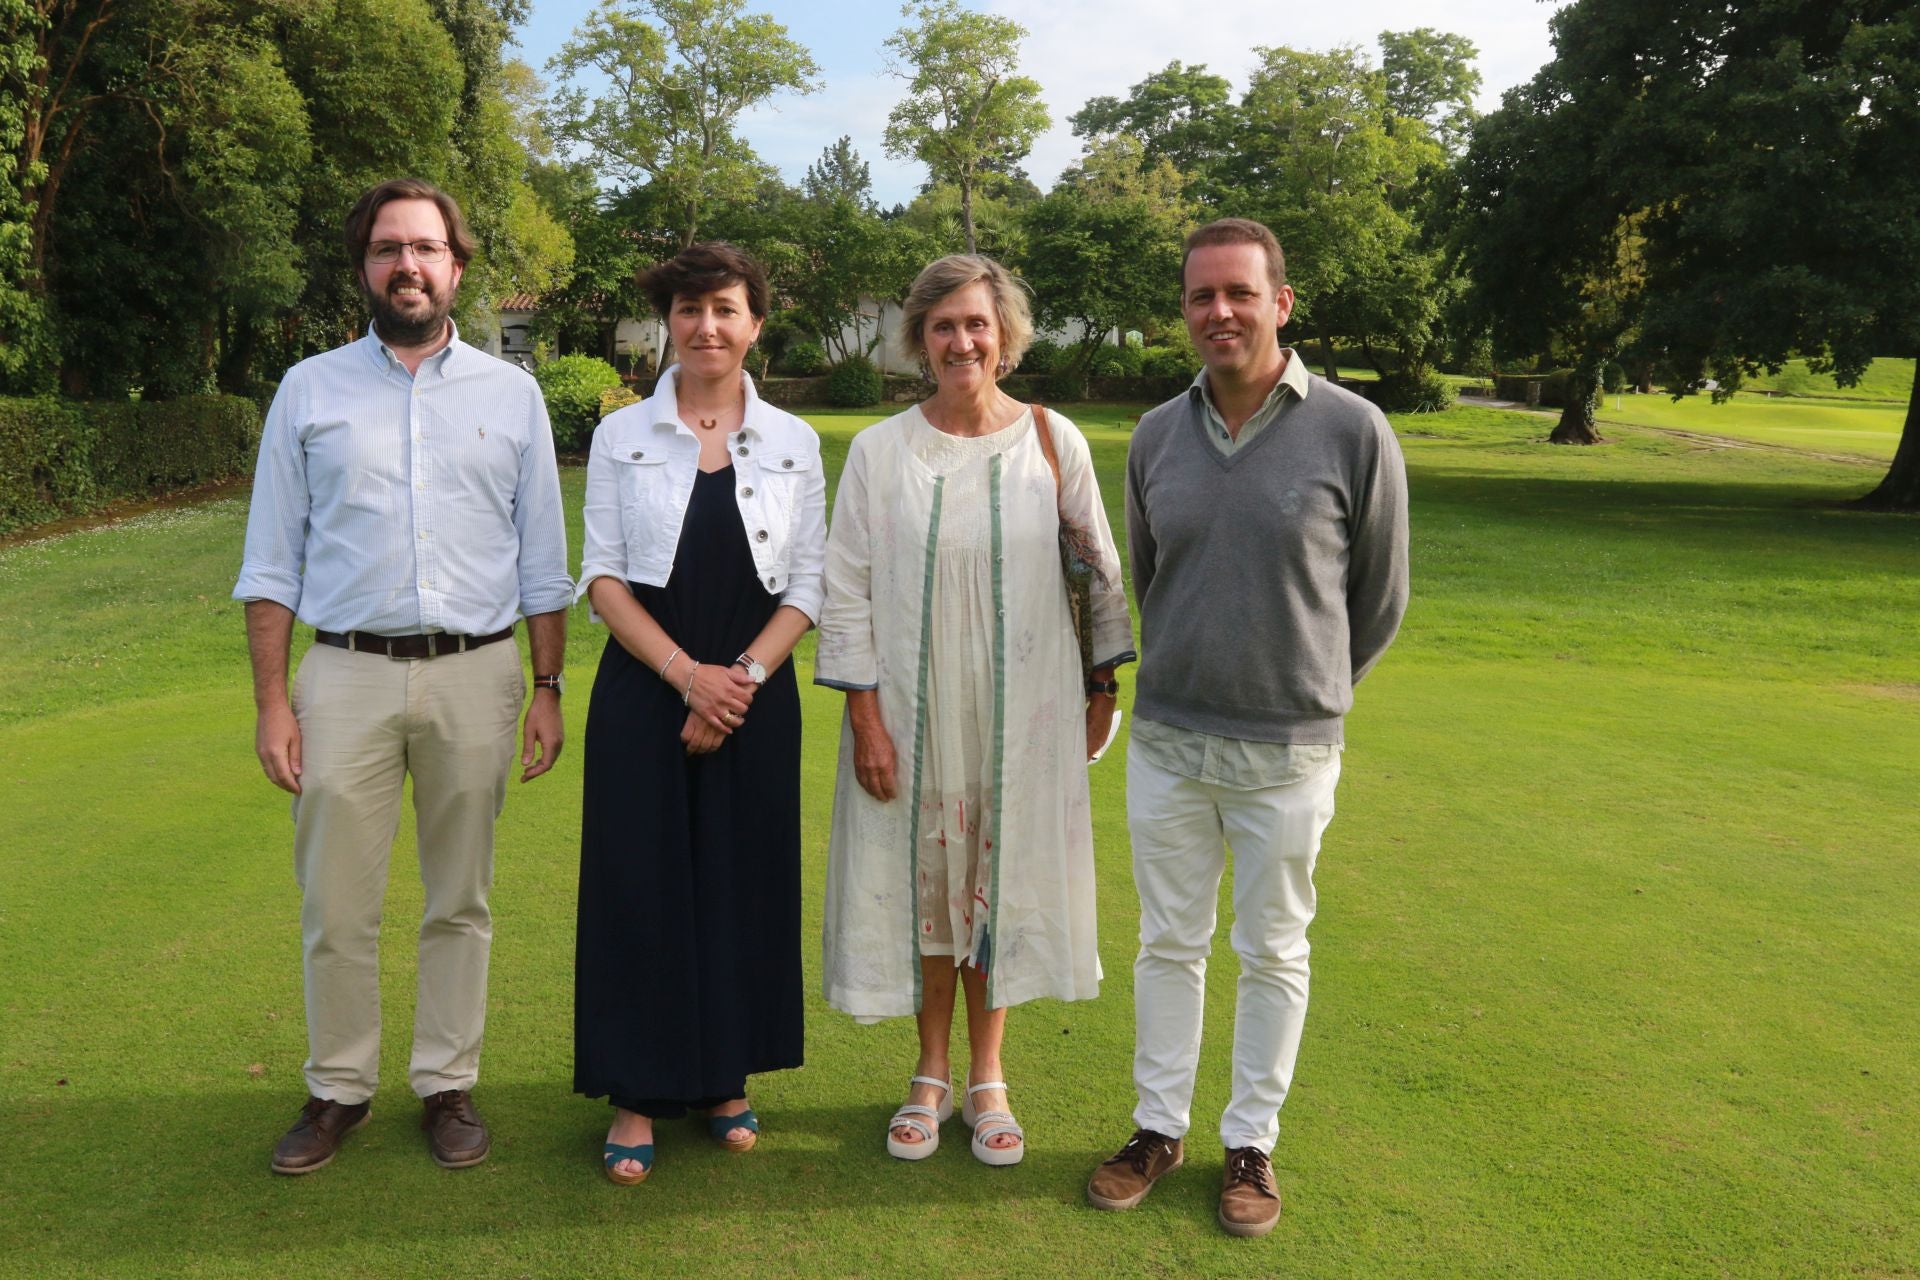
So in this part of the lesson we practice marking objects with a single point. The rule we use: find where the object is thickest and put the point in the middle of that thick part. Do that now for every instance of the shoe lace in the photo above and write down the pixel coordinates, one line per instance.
(1251, 1166)
(1141, 1150)
(457, 1101)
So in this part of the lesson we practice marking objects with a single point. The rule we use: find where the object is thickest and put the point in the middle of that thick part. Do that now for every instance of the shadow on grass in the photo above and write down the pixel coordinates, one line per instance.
(100, 1184)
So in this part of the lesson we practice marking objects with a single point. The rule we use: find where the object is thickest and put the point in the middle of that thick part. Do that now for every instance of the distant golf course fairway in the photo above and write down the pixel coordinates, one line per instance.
(1868, 429)
(1613, 970)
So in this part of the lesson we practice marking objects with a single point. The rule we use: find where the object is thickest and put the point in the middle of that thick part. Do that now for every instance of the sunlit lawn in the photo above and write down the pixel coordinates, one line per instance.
(1868, 430)
(1613, 972)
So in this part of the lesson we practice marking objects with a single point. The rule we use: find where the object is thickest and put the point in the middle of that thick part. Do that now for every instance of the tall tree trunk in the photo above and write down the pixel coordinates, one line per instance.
(1366, 347)
(1326, 350)
(1576, 419)
(1900, 490)
(966, 214)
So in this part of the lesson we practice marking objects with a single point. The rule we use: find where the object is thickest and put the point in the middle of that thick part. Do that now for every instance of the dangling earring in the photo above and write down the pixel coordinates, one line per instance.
(926, 370)
(1000, 370)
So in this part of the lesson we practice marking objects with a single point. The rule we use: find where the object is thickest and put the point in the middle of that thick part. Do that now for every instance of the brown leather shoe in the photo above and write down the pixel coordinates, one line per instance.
(1124, 1180)
(315, 1136)
(1249, 1202)
(455, 1132)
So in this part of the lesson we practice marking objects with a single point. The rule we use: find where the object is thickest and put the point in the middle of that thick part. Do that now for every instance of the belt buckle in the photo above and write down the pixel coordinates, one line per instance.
(391, 655)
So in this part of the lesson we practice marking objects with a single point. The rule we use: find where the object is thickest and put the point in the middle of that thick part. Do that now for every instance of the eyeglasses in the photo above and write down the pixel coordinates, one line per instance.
(385, 251)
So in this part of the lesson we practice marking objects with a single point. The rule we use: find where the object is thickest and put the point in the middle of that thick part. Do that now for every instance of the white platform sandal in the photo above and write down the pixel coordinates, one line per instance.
(925, 1121)
(991, 1124)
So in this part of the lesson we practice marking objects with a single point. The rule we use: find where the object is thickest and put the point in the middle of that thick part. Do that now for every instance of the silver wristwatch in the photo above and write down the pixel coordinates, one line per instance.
(755, 672)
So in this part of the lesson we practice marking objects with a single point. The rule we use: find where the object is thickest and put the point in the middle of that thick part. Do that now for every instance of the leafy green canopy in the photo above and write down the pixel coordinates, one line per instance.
(653, 91)
(967, 111)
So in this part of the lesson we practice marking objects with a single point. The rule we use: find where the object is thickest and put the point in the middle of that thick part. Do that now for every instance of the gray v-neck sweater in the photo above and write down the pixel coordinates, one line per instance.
(1269, 580)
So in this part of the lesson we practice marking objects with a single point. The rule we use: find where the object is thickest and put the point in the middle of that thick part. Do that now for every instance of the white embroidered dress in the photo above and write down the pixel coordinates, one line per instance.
(944, 593)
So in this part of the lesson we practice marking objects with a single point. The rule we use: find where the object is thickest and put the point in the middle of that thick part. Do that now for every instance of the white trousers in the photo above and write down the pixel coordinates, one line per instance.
(366, 722)
(1180, 829)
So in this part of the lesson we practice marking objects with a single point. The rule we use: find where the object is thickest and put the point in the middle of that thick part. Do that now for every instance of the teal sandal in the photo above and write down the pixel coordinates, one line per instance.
(614, 1153)
(720, 1126)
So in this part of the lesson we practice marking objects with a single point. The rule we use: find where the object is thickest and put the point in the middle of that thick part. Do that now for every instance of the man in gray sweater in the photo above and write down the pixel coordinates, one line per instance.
(1267, 528)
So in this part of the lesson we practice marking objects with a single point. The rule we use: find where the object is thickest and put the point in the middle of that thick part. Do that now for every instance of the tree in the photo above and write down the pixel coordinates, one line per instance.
(1431, 78)
(1545, 235)
(840, 174)
(1103, 248)
(1734, 182)
(674, 95)
(966, 109)
(1781, 175)
(1321, 167)
(1183, 115)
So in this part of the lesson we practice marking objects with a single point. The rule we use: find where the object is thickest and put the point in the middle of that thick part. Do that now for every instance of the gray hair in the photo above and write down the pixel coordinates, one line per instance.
(956, 271)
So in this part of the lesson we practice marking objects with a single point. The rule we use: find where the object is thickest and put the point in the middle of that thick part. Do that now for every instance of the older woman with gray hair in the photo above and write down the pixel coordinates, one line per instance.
(962, 844)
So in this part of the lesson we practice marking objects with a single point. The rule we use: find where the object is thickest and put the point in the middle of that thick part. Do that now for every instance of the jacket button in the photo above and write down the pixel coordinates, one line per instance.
(787, 463)
(747, 492)
(639, 454)
(760, 536)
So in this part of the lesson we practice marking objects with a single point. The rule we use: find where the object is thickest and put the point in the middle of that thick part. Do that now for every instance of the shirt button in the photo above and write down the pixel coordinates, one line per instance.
(760, 536)
(639, 454)
(743, 451)
(747, 492)
(787, 463)
(769, 584)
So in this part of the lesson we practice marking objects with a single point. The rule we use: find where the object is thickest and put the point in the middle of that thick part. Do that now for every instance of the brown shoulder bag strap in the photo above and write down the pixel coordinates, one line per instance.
(1045, 431)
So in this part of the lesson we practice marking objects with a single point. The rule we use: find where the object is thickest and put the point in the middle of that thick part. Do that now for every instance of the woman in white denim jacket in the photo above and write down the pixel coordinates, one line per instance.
(705, 537)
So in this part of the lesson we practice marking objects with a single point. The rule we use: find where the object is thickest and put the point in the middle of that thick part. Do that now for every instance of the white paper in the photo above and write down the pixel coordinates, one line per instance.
(1113, 731)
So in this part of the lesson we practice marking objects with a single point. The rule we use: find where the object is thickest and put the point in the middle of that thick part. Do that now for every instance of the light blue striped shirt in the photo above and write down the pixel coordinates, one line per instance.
(398, 504)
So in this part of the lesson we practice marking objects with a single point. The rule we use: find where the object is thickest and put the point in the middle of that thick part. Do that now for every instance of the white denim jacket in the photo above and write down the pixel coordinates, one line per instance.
(640, 478)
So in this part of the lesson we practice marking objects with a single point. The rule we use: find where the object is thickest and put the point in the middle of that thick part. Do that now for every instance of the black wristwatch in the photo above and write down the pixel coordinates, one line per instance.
(557, 683)
(1109, 687)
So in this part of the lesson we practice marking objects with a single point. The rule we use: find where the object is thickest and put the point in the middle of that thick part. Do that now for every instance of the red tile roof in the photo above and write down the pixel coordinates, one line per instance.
(520, 302)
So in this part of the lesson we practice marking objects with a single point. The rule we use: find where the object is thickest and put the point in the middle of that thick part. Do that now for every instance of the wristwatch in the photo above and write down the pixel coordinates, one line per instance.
(557, 683)
(1109, 687)
(755, 672)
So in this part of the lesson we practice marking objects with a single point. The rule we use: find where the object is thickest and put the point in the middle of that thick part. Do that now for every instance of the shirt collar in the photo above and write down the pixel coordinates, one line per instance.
(1293, 377)
(666, 404)
(382, 355)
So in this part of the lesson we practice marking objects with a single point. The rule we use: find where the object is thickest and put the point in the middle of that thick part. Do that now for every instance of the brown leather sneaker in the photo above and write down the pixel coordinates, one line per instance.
(315, 1136)
(1249, 1202)
(1124, 1180)
(455, 1132)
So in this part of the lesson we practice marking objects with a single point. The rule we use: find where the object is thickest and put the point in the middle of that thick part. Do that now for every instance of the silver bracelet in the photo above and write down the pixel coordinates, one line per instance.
(669, 662)
(686, 698)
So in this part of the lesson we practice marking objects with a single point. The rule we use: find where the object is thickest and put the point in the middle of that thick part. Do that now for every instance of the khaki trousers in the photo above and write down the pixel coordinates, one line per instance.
(366, 722)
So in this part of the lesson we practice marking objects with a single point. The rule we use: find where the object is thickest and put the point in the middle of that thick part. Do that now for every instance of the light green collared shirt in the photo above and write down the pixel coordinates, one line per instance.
(1293, 377)
(1236, 763)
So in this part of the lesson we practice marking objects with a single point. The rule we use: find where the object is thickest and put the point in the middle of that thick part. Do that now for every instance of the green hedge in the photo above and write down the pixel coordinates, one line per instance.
(62, 457)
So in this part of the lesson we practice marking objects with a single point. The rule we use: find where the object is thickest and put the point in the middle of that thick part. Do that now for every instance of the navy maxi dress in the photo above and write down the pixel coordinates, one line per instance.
(687, 962)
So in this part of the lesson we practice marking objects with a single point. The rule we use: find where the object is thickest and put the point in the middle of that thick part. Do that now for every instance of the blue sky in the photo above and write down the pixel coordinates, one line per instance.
(1076, 49)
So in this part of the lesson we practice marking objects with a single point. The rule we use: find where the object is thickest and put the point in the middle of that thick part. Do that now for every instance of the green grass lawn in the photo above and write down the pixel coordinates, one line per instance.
(1613, 966)
(1888, 379)
(1847, 427)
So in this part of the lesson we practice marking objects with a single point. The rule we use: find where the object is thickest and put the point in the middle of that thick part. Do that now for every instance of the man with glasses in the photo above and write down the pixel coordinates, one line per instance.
(407, 507)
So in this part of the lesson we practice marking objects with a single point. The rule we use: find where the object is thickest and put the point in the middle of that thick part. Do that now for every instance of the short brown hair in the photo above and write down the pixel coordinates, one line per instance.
(702, 268)
(360, 219)
(1238, 231)
(952, 273)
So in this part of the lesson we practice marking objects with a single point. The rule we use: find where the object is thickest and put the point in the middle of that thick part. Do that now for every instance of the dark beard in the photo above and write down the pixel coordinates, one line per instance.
(396, 329)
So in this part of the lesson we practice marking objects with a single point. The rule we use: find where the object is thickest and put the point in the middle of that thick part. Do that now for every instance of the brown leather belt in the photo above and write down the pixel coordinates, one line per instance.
(434, 645)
